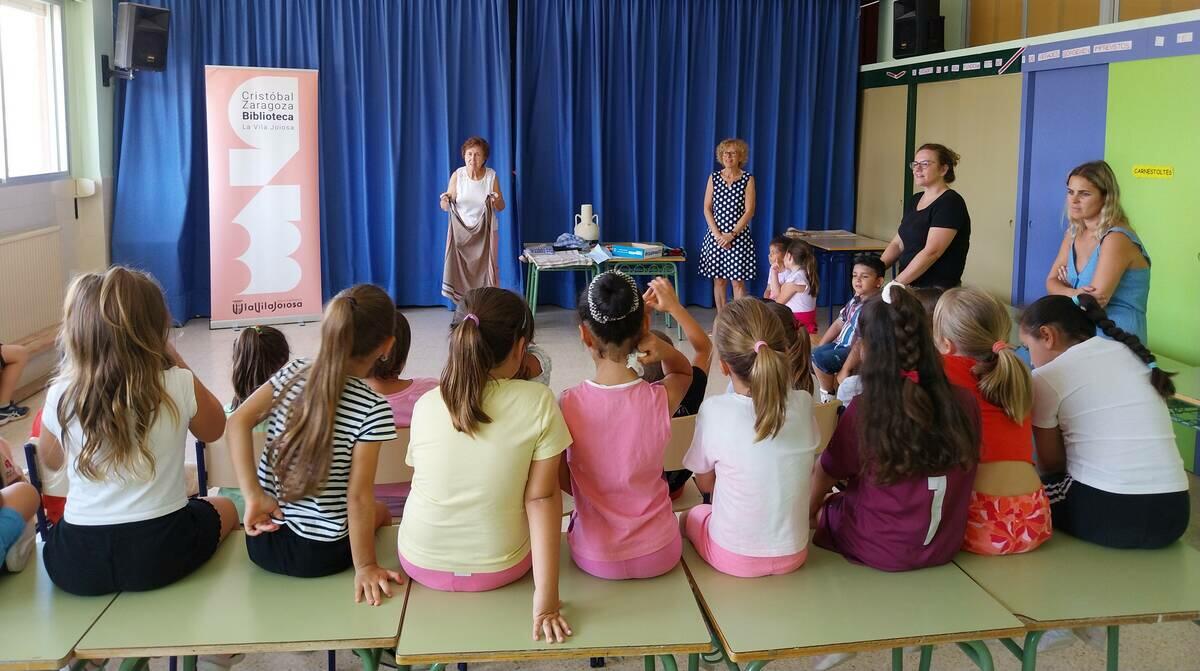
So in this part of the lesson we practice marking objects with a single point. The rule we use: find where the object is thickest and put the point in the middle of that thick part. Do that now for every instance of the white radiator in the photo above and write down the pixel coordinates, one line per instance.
(31, 282)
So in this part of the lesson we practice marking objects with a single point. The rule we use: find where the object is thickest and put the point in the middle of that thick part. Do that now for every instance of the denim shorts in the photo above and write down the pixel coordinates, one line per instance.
(11, 528)
(828, 358)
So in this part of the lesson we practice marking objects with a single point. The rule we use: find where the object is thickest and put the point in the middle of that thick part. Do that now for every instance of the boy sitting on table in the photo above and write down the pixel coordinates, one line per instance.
(835, 358)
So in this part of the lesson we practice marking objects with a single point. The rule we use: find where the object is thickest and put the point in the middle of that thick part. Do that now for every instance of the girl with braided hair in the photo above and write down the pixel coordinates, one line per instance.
(1102, 430)
(623, 525)
(907, 447)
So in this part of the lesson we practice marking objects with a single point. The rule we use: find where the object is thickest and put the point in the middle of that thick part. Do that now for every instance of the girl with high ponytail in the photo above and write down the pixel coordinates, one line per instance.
(1103, 434)
(907, 447)
(310, 502)
(1009, 511)
(485, 447)
(623, 525)
(754, 449)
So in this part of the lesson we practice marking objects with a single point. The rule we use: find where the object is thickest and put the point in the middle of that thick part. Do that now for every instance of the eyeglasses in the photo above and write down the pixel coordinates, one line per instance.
(920, 164)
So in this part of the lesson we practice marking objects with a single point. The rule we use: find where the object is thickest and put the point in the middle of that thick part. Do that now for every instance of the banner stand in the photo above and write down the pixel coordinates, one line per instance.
(263, 191)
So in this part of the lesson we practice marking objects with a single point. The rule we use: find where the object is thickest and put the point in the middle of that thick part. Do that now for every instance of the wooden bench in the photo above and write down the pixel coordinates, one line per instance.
(40, 623)
(654, 617)
(229, 605)
(1069, 583)
(39, 343)
(831, 605)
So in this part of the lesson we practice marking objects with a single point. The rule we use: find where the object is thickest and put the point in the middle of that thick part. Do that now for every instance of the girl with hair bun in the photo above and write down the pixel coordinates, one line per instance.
(754, 449)
(1104, 440)
(1009, 511)
(907, 448)
(623, 525)
(485, 507)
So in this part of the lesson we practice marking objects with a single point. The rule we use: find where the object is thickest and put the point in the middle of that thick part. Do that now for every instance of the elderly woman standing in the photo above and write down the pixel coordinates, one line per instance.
(727, 252)
(472, 198)
(1115, 269)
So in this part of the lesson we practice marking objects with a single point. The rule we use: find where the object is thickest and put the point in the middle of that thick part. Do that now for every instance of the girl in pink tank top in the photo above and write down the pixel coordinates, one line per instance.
(623, 525)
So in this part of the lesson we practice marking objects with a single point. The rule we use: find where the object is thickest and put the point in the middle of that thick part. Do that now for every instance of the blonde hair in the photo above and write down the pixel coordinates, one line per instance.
(356, 322)
(975, 321)
(739, 327)
(113, 348)
(738, 145)
(1112, 215)
(488, 323)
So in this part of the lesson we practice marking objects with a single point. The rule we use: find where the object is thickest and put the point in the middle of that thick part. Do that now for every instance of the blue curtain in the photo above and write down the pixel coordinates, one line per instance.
(621, 103)
(402, 84)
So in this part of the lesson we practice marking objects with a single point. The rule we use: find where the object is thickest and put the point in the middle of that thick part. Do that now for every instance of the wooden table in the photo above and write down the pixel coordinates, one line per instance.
(835, 249)
(1070, 583)
(40, 623)
(656, 617)
(831, 605)
(231, 605)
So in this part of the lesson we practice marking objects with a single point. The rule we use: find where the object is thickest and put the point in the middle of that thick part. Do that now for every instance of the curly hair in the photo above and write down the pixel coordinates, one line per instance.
(736, 144)
(480, 143)
(912, 422)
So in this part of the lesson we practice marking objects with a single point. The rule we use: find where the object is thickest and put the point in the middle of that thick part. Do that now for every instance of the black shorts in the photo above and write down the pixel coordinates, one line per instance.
(1127, 521)
(134, 556)
(288, 553)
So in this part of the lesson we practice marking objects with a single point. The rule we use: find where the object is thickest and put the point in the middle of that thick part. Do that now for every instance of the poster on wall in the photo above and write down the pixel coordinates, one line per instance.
(264, 217)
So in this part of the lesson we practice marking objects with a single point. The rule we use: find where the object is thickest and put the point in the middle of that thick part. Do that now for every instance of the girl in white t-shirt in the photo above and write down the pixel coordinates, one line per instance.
(128, 524)
(754, 449)
(1101, 427)
(798, 284)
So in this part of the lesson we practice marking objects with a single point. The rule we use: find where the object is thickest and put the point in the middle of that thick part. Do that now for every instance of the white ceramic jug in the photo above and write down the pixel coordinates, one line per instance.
(587, 225)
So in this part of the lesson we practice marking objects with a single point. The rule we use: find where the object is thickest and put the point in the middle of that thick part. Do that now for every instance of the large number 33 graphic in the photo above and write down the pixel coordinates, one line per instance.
(268, 217)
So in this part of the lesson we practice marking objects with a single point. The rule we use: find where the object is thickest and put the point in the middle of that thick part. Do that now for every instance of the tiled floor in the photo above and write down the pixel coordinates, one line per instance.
(1159, 647)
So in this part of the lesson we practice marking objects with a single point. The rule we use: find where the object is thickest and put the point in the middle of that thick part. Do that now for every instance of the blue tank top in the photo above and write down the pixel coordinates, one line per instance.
(1127, 305)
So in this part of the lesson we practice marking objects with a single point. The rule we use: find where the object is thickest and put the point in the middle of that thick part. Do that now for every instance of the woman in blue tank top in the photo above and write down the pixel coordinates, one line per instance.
(1100, 253)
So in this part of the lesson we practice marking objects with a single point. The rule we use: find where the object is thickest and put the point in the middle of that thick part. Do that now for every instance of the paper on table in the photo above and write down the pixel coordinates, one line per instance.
(599, 254)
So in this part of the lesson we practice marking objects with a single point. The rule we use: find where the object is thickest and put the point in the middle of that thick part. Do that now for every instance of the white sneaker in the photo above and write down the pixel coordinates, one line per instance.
(1055, 639)
(20, 552)
(829, 661)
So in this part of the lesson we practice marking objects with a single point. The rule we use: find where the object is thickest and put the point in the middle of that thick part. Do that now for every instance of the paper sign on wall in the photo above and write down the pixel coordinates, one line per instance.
(264, 218)
(1154, 171)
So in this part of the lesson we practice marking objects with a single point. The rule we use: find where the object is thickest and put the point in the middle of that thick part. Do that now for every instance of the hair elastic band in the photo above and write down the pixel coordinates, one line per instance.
(759, 345)
(999, 346)
(887, 291)
(1152, 364)
(1075, 300)
(911, 375)
(472, 317)
(602, 318)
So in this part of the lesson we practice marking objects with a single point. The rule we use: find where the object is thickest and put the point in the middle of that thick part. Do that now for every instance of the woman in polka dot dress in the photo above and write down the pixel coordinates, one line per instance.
(727, 252)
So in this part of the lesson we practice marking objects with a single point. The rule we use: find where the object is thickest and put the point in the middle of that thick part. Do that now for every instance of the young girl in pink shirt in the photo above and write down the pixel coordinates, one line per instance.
(385, 377)
(754, 448)
(623, 525)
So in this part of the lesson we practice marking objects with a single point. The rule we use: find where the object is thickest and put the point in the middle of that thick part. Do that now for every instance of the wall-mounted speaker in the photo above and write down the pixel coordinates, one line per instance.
(141, 39)
(917, 28)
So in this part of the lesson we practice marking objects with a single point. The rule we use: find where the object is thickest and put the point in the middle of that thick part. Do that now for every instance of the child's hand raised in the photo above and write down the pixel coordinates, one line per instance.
(263, 514)
(370, 582)
(661, 295)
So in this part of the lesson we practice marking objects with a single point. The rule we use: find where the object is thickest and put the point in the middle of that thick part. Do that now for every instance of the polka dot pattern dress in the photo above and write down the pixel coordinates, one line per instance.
(729, 204)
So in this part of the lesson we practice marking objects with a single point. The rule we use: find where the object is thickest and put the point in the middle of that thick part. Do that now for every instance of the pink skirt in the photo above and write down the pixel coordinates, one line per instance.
(806, 320)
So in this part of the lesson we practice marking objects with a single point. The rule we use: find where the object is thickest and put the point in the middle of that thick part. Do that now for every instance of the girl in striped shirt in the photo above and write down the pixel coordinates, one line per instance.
(310, 503)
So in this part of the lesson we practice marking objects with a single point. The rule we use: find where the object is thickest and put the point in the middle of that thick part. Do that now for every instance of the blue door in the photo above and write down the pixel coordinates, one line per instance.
(1065, 126)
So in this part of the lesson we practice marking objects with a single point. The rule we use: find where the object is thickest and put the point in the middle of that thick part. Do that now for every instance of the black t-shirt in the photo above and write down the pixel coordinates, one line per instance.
(690, 404)
(948, 211)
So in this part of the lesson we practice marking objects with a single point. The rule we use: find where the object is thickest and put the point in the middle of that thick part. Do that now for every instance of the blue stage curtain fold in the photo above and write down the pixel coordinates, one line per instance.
(621, 103)
(402, 84)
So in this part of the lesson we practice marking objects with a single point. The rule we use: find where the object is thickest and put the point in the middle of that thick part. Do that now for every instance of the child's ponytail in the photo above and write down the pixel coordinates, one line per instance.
(979, 325)
(799, 348)
(752, 342)
(802, 253)
(1160, 379)
(488, 323)
(356, 321)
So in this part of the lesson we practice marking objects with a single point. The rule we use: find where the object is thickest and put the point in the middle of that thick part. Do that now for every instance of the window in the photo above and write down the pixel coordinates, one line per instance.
(33, 120)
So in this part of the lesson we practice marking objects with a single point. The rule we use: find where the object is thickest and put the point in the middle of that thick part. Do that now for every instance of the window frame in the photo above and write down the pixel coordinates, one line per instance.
(61, 126)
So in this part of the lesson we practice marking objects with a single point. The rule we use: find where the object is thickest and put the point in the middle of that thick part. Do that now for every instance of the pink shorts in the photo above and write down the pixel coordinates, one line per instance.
(448, 581)
(647, 566)
(806, 320)
(732, 563)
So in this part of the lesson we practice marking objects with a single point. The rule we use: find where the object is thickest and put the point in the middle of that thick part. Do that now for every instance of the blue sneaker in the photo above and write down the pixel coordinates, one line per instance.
(12, 412)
